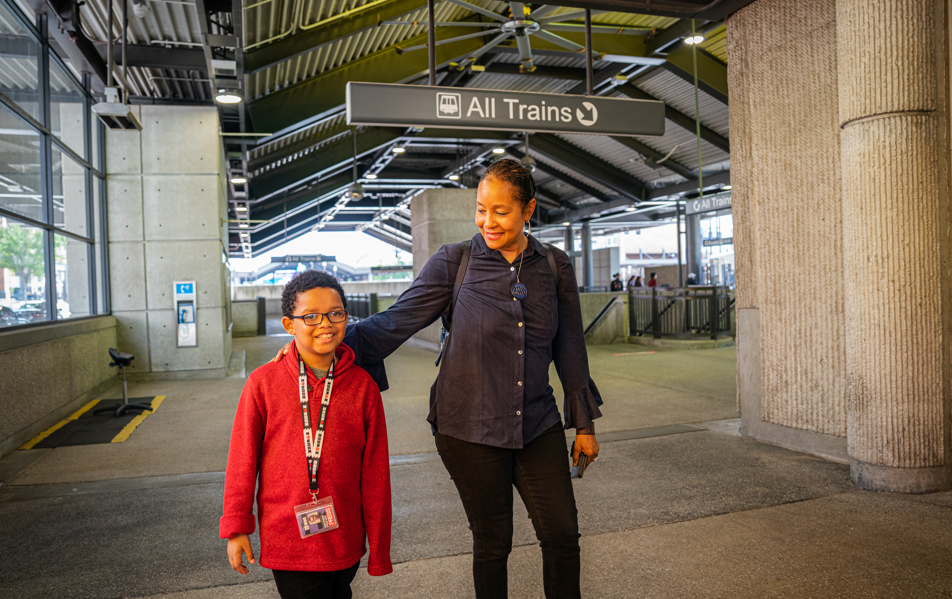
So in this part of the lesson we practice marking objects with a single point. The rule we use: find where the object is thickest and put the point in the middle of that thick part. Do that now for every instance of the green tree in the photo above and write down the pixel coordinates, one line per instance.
(21, 250)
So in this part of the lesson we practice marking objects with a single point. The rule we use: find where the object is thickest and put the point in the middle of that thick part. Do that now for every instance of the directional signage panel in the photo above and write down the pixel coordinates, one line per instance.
(389, 104)
(698, 205)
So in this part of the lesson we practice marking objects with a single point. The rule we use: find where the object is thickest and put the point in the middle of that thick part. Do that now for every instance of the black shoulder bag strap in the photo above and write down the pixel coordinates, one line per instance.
(447, 317)
(550, 256)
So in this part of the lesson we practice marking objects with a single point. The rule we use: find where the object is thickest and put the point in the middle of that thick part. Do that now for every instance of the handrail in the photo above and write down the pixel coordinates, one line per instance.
(680, 312)
(601, 315)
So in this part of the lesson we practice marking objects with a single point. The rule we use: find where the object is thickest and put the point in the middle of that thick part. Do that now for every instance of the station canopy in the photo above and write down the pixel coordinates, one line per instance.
(290, 61)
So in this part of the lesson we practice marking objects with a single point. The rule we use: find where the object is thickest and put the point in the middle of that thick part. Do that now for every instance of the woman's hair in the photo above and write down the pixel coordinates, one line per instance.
(514, 174)
(305, 281)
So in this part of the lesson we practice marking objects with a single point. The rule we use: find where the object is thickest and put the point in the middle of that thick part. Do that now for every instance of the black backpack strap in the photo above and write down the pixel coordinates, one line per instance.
(447, 317)
(550, 256)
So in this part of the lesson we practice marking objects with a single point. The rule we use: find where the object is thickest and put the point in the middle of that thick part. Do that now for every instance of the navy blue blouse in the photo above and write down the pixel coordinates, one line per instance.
(493, 384)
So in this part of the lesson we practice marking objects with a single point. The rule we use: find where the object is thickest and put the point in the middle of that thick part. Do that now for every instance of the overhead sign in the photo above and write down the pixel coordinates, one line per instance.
(304, 259)
(718, 202)
(389, 104)
(721, 241)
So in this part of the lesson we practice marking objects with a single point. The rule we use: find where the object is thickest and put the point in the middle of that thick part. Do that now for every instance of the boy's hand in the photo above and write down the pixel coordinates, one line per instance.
(235, 546)
(282, 352)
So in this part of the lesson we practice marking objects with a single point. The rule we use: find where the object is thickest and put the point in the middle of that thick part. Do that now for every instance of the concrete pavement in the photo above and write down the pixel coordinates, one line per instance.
(677, 506)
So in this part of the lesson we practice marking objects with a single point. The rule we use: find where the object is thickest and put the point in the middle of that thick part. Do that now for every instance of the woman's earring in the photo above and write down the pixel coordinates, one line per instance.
(527, 229)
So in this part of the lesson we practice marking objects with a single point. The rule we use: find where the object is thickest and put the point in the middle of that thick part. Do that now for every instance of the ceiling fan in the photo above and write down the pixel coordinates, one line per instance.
(523, 23)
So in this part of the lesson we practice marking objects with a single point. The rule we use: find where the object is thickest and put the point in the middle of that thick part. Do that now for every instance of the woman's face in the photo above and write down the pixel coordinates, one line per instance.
(499, 215)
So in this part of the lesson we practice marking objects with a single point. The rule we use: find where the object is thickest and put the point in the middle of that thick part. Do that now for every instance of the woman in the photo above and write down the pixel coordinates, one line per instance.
(637, 282)
(491, 408)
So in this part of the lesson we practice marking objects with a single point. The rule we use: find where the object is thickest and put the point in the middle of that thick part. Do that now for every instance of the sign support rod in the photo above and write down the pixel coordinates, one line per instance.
(431, 39)
(680, 270)
(589, 77)
(697, 114)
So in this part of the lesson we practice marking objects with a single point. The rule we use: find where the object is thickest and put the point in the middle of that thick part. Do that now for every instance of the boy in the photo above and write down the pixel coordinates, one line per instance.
(316, 499)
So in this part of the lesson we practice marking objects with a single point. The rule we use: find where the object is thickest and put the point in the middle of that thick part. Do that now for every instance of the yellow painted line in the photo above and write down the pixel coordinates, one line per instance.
(59, 425)
(135, 422)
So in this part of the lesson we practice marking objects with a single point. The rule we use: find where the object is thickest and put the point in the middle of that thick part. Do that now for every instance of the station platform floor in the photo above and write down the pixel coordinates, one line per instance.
(678, 505)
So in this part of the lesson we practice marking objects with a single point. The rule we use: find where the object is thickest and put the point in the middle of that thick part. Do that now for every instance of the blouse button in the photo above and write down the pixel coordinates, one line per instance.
(518, 413)
(512, 268)
(520, 383)
(520, 324)
(520, 352)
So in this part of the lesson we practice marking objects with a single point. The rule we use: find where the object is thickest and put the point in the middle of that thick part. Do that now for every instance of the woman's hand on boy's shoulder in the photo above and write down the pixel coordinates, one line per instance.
(237, 545)
(282, 352)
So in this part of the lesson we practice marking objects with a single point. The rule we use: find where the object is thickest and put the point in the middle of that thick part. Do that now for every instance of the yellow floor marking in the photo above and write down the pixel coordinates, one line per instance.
(636, 353)
(59, 425)
(135, 422)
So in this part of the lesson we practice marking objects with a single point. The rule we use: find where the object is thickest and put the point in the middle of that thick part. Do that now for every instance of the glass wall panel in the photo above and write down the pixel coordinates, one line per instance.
(72, 277)
(19, 167)
(23, 274)
(19, 63)
(69, 194)
(101, 304)
(67, 108)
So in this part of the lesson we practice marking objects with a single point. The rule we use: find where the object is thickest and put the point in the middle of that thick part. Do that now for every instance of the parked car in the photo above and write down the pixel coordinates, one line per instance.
(32, 311)
(9, 318)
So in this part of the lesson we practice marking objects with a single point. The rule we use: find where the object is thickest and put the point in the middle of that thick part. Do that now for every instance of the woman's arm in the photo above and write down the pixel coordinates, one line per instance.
(421, 305)
(582, 398)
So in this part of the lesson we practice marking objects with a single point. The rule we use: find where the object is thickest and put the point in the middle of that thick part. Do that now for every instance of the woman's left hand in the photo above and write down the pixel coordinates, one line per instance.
(585, 443)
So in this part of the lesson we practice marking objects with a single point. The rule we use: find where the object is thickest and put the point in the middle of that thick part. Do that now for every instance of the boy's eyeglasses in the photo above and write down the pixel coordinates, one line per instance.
(317, 318)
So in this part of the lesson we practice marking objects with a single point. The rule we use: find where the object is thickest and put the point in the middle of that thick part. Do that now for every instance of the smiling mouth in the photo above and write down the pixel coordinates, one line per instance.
(326, 336)
(493, 235)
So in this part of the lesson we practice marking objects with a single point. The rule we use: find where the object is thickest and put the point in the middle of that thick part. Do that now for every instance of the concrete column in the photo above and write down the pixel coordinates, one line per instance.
(438, 217)
(692, 239)
(588, 270)
(166, 211)
(892, 115)
(569, 240)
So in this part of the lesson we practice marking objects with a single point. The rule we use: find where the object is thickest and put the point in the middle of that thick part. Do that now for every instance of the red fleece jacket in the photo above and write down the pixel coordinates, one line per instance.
(267, 444)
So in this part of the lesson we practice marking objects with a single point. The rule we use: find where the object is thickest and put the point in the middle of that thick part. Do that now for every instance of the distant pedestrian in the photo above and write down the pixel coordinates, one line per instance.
(617, 285)
(638, 282)
(692, 278)
(631, 283)
(653, 281)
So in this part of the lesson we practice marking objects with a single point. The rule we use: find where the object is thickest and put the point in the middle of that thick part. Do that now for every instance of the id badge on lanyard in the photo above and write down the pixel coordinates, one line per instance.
(319, 515)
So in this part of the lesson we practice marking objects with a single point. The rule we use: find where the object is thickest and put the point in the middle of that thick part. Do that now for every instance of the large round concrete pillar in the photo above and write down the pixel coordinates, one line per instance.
(891, 112)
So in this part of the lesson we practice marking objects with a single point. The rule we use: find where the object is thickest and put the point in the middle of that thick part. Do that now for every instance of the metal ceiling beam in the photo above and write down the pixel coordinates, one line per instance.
(158, 57)
(697, 9)
(669, 37)
(567, 179)
(389, 238)
(296, 147)
(678, 118)
(318, 94)
(645, 150)
(594, 168)
(328, 32)
(298, 172)
(711, 72)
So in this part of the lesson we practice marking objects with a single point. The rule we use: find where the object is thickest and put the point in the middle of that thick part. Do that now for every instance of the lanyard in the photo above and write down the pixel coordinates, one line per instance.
(313, 449)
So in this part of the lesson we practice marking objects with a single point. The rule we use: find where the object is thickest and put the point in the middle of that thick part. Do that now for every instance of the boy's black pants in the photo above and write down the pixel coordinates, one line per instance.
(315, 585)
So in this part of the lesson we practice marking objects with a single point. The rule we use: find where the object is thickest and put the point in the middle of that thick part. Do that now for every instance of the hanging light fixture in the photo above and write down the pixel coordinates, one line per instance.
(227, 97)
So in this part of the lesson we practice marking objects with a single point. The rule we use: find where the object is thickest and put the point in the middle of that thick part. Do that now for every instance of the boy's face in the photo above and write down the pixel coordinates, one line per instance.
(321, 340)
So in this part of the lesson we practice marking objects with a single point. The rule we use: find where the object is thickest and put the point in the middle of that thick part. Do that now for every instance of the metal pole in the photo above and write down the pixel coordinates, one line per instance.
(569, 241)
(587, 256)
(431, 40)
(697, 114)
(109, 42)
(125, 28)
(589, 77)
(680, 270)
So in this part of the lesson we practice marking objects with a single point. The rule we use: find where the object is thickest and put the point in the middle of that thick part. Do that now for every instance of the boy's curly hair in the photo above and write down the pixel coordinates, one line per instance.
(305, 281)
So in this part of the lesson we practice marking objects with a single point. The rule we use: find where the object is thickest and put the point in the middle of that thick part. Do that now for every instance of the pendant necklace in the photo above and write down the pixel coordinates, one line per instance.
(518, 289)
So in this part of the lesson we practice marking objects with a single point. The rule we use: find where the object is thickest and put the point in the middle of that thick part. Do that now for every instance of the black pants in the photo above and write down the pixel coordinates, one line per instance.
(315, 585)
(484, 477)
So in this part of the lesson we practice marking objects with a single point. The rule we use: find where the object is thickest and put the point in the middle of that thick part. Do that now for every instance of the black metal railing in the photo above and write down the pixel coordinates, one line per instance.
(680, 312)
(361, 305)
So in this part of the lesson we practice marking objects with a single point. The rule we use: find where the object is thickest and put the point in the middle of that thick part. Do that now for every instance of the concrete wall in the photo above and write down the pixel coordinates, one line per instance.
(50, 372)
(440, 216)
(244, 316)
(605, 263)
(166, 211)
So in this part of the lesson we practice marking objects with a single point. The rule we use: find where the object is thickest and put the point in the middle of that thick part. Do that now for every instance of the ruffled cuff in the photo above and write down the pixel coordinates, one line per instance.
(581, 407)
(380, 569)
(236, 524)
